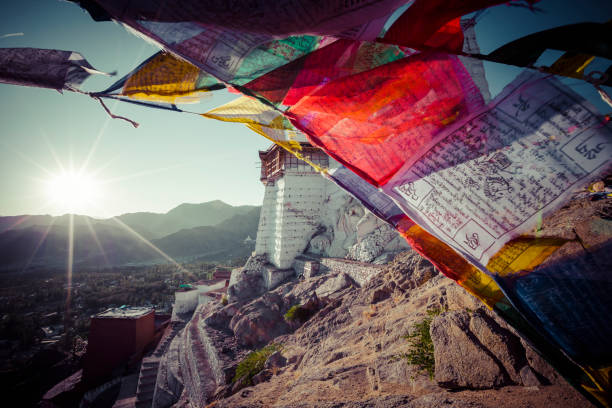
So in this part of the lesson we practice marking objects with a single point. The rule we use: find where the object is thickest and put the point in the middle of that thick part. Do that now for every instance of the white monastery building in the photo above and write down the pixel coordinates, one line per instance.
(303, 211)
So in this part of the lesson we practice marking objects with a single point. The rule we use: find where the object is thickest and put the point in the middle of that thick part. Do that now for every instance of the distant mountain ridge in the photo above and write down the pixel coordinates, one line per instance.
(148, 224)
(212, 231)
(184, 216)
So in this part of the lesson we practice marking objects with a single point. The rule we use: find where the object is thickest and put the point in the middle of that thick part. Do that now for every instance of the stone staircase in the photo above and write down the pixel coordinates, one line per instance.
(146, 382)
(127, 392)
(149, 368)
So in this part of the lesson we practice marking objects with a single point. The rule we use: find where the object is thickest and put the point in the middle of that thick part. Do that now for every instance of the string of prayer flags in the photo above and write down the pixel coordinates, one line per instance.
(221, 39)
(374, 121)
(165, 78)
(291, 82)
(262, 119)
(200, 33)
(425, 24)
(592, 39)
(44, 68)
(268, 17)
(463, 179)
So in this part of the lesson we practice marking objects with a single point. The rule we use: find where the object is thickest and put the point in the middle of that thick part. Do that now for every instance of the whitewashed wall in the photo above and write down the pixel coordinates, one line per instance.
(185, 302)
(290, 216)
(304, 211)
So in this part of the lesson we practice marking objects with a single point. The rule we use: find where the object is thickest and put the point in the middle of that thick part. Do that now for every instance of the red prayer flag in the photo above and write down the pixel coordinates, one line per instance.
(374, 121)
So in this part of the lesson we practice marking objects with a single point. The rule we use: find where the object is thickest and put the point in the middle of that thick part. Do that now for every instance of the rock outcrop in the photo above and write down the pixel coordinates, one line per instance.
(458, 355)
(381, 239)
(248, 282)
(350, 351)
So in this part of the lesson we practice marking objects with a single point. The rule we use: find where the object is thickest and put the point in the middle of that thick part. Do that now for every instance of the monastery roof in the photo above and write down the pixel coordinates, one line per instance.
(273, 147)
(130, 312)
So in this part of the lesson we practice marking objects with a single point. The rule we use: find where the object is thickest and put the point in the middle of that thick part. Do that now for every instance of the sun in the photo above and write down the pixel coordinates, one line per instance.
(73, 191)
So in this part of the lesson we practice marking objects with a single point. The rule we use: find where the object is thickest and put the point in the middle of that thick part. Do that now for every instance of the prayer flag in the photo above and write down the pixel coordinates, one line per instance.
(43, 68)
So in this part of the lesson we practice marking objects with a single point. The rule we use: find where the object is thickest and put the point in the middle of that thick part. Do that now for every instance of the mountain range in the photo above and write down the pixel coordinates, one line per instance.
(213, 231)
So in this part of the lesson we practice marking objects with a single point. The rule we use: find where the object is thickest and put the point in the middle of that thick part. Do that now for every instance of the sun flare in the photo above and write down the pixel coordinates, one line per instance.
(72, 191)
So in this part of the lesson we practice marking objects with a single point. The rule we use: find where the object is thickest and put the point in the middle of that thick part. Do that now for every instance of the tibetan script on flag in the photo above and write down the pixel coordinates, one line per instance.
(489, 177)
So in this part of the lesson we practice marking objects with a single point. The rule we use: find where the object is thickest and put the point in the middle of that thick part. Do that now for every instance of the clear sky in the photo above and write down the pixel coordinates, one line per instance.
(171, 158)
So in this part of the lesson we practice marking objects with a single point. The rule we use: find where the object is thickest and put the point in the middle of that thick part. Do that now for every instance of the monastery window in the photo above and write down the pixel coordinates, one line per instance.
(292, 162)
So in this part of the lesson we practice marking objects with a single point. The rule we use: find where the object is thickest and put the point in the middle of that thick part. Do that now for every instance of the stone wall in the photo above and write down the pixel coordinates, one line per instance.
(305, 267)
(360, 272)
(274, 277)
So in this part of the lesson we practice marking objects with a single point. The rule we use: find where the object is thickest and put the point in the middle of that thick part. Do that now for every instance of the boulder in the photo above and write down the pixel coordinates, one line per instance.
(260, 321)
(529, 377)
(275, 361)
(460, 359)
(500, 343)
(333, 285)
(373, 244)
(248, 282)
(477, 350)
(262, 376)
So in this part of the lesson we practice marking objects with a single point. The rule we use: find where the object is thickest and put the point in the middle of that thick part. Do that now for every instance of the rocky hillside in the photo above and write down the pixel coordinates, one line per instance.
(352, 351)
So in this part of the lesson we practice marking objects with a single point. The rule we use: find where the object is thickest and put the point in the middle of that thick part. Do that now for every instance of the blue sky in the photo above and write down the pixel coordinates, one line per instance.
(171, 158)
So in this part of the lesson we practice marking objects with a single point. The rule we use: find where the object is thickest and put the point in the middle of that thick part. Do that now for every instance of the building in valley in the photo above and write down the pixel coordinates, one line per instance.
(116, 337)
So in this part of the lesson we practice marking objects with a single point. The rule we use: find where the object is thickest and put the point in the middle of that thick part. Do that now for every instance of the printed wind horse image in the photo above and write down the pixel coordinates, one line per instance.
(398, 95)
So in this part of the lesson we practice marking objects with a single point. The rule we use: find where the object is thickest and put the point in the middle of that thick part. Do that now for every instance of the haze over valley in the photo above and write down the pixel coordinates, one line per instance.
(211, 231)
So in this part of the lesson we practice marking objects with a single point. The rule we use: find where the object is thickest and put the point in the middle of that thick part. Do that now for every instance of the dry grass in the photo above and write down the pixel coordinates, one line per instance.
(369, 313)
